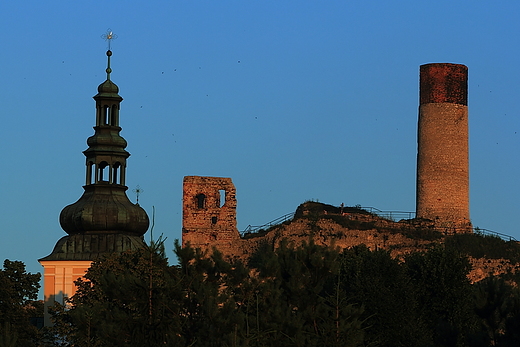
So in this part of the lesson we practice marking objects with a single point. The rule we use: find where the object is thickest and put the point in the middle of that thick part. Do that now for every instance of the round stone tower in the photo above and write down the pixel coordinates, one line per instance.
(442, 156)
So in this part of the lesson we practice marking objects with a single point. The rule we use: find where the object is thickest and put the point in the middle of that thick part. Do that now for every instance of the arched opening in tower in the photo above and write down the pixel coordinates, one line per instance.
(201, 201)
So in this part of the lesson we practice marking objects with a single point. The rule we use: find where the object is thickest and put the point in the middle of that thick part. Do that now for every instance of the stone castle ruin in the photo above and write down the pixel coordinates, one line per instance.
(209, 213)
(442, 151)
(209, 203)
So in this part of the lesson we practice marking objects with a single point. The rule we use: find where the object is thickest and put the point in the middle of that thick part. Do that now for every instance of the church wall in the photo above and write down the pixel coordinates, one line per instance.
(58, 281)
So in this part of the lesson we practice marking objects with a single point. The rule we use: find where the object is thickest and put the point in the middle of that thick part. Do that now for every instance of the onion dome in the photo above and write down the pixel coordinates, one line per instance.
(104, 209)
(108, 89)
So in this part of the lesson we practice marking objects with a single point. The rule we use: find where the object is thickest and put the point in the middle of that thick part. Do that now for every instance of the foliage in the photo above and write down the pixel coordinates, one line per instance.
(444, 294)
(381, 284)
(425, 234)
(484, 246)
(18, 294)
(306, 295)
(8, 335)
(317, 208)
(131, 299)
(301, 299)
(352, 224)
(493, 305)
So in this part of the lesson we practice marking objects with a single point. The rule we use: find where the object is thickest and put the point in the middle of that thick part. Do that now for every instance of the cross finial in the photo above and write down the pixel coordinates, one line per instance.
(109, 36)
(138, 190)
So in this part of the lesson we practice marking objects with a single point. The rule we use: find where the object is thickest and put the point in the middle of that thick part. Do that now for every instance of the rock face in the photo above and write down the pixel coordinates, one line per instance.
(323, 224)
(483, 268)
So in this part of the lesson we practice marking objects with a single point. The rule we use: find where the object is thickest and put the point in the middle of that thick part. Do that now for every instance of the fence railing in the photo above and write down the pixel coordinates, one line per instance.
(391, 215)
(398, 215)
(494, 233)
(255, 228)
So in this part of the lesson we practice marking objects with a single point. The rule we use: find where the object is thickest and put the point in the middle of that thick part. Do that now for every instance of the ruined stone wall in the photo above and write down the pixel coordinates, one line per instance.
(209, 213)
(442, 156)
(340, 229)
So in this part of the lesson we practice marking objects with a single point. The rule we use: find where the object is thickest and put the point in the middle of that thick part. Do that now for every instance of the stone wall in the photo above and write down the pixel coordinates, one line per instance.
(311, 223)
(442, 153)
(209, 213)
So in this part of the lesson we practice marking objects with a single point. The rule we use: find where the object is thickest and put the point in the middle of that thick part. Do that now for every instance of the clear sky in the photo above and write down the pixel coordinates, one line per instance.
(294, 100)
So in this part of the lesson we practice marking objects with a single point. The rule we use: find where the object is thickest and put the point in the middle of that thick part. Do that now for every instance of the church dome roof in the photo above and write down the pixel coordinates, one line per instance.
(104, 211)
(108, 87)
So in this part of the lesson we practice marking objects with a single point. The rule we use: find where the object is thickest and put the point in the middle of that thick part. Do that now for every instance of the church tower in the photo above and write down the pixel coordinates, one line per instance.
(103, 220)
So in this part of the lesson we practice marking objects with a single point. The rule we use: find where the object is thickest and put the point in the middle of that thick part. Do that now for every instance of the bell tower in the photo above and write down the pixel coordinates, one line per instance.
(103, 220)
(106, 150)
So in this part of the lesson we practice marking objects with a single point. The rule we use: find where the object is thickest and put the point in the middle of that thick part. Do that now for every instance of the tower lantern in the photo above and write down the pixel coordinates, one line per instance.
(103, 221)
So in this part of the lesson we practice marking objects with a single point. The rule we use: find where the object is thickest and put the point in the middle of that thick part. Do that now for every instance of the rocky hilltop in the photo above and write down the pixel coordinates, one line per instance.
(345, 227)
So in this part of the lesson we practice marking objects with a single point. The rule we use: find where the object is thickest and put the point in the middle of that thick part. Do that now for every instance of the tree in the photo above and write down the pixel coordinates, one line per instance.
(18, 294)
(381, 284)
(128, 299)
(493, 304)
(208, 308)
(511, 336)
(444, 294)
(301, 299)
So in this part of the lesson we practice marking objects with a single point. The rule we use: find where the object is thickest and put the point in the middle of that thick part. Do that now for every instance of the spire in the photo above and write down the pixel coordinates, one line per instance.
(109, 88)
(108, 37)
(104, 207)
(108, 70)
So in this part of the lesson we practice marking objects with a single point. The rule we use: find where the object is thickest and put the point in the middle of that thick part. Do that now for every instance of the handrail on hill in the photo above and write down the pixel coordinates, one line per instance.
(255, 228)
(487, 232)
(398, 215)
(392, 215)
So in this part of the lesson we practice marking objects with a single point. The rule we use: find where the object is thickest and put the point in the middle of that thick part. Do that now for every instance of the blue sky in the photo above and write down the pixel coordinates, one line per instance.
(294, 100)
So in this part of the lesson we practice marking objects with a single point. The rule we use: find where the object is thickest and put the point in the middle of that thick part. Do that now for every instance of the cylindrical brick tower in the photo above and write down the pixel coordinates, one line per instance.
(442, 156)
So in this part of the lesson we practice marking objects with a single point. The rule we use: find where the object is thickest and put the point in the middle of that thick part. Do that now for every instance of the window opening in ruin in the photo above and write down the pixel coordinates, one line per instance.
(213, 220)
(214, 237)
(222, 199)
(201, 200)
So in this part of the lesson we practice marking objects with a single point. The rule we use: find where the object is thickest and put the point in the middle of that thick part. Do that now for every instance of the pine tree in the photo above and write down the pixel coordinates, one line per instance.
(18, 294)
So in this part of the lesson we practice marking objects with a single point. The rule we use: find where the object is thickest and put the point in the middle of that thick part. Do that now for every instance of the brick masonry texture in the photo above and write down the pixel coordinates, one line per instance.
(442, 155)
(442, 82)
(209, 213)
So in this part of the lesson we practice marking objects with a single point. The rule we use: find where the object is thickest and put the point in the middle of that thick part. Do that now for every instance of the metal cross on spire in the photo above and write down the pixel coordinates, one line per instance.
(138, 190)
(109, 36)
